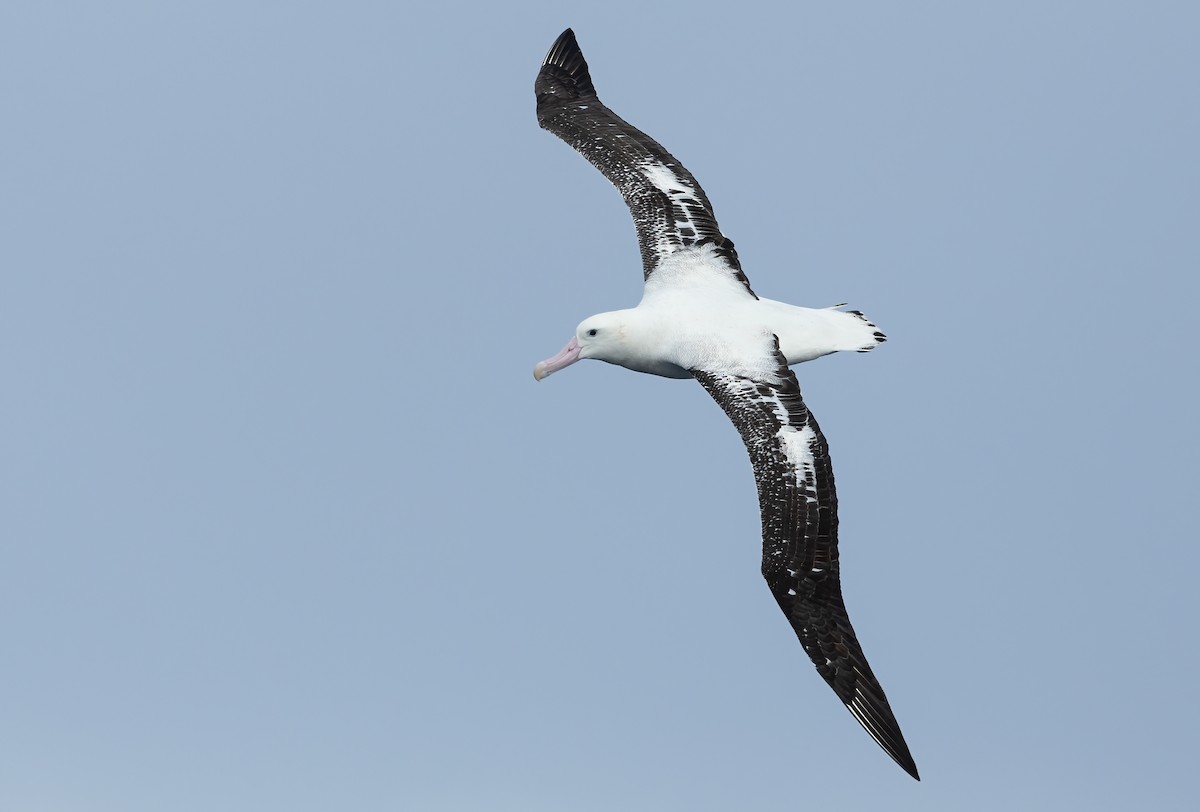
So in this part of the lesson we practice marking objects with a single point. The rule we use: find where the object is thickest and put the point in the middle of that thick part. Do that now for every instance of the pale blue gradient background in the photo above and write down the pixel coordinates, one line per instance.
(287, 524)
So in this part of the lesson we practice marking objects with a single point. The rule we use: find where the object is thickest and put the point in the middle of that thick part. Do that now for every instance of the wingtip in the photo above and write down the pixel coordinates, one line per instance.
(564, 74)
(563, 47)
(879, 722)
(871, 709)
(904, 758)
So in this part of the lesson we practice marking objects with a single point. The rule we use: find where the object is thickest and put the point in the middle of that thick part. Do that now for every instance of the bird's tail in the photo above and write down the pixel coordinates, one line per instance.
(857, 332)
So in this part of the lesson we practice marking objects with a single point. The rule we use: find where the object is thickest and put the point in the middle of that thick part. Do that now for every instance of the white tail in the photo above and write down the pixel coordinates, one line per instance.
(805, 333)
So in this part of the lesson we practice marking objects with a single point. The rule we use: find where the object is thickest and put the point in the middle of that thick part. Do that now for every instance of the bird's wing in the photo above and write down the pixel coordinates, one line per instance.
(799, 527)
(670, 210)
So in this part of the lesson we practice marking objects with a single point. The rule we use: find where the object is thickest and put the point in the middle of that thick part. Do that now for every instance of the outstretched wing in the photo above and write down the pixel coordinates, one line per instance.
(670, 210)
(799, 525)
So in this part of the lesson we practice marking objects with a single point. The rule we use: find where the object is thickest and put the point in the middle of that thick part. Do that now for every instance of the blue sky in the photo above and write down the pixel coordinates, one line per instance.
(289, 525)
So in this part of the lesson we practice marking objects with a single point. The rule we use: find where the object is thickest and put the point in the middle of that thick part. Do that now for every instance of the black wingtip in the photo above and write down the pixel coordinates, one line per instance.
(564, 50)
(863, 696)
(564, 75)
(904, 759)
(870, 707)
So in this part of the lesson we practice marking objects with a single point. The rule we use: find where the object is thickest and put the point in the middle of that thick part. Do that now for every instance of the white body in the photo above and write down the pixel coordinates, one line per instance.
(695, 314)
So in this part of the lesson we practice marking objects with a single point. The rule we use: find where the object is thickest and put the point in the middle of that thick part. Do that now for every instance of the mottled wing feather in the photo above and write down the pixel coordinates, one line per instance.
(670, 210)
(798, 503)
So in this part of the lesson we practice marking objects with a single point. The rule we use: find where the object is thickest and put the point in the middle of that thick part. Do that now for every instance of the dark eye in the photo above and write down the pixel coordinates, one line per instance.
(592, 331)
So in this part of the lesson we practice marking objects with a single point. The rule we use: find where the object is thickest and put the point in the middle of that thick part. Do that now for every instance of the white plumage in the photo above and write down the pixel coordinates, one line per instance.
(699, 318)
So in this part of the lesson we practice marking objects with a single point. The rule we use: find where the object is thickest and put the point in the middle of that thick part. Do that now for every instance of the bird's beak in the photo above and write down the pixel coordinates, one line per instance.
(566, 356)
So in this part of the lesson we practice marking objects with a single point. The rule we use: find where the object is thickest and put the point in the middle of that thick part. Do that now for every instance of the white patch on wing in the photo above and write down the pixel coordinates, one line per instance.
(665, 180)
(797, 446)
(685, 203)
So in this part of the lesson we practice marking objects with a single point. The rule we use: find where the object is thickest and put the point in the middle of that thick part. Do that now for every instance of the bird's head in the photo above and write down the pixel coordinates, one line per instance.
(601, 337)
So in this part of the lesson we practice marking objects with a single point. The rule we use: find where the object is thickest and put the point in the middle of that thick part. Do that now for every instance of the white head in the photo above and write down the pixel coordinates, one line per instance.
(601, 336)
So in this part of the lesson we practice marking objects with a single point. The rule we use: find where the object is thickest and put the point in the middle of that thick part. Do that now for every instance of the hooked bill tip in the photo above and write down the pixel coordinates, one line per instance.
(566, 356)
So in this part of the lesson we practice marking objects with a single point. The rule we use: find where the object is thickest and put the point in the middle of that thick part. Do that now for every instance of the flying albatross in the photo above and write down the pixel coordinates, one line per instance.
(699, 318)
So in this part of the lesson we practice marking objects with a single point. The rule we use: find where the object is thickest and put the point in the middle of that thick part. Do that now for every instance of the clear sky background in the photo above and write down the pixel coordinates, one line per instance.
(287, 523)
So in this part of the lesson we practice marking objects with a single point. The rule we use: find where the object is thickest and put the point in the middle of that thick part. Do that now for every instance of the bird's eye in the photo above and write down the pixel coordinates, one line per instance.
(592, 331)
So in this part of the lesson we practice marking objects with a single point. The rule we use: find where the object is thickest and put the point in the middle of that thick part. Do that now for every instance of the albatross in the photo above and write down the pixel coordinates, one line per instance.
(699, 318)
